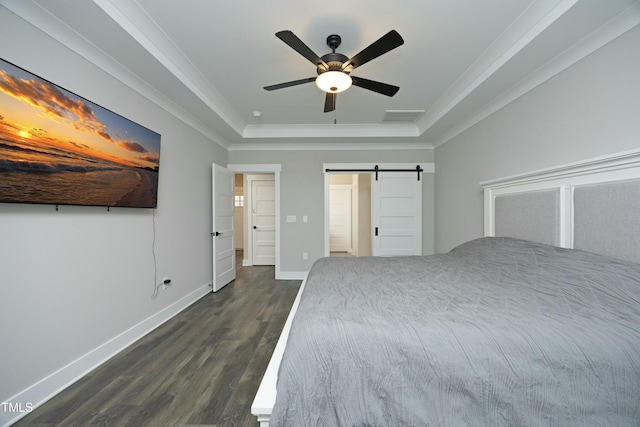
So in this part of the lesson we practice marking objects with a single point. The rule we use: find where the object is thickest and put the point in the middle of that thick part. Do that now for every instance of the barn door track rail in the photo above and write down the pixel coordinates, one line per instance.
(377, 169)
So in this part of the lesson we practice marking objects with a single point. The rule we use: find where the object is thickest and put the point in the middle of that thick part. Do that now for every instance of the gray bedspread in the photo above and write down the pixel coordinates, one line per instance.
(498, 332)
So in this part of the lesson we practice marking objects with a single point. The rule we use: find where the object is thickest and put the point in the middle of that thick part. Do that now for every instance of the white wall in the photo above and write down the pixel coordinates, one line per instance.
(590, 109)
(73, 280)
(302, 193)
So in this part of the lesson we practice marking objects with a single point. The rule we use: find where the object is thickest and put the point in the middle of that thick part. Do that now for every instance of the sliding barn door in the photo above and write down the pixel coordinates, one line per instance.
(224, 251)
(397, 214)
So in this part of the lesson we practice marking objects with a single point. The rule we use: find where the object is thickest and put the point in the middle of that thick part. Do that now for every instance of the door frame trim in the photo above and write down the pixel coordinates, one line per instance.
(275, 169)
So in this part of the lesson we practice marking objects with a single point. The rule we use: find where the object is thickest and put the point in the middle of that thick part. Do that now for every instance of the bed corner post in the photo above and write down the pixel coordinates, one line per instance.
(263, 420)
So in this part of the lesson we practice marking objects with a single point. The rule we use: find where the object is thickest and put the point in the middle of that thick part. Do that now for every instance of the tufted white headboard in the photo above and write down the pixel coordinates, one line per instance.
(592, 205)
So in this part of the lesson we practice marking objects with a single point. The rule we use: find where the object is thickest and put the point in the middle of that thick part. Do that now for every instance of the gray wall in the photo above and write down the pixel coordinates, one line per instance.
(302, 193)
(74, 279)
(589, 110)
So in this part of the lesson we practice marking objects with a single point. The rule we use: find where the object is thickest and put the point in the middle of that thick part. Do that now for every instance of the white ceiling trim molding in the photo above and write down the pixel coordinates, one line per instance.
(137, 24)
(135, 21)
(41, 19)
(533, 22)
(605, 34)
(332, 131)
(332, 146)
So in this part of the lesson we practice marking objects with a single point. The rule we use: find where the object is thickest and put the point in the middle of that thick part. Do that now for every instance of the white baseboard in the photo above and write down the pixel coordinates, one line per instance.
(38, 393)
(291, 275)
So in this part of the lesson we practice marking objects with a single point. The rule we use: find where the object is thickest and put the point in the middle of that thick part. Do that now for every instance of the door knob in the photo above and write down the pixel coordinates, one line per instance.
(255, 227)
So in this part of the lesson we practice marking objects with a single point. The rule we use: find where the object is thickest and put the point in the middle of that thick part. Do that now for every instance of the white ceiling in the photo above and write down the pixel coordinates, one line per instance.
(207, 61)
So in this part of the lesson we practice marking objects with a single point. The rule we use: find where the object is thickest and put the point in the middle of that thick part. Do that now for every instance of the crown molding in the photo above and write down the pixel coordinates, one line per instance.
(393, 130)
(533, 22)
(135, 22)
(44, 21)
(331, 146)
(603, 35)
(130, 16)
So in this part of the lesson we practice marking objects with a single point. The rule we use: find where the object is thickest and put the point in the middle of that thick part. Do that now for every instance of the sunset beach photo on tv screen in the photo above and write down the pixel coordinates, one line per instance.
(59, 148)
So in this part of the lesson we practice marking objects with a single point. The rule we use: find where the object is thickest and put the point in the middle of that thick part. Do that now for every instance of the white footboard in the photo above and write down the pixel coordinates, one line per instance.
(266, 396)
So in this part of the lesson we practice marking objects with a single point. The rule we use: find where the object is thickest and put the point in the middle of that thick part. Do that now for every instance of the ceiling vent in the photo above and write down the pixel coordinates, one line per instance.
(401, 116)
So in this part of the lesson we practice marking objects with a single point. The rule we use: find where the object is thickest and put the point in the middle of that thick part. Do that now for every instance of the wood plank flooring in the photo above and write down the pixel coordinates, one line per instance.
(201, 368)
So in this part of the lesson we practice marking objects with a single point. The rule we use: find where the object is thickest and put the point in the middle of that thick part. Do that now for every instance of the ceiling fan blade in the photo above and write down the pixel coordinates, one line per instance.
(330, 102)
(383, 88)
(384, 44)
(298, 45)
(291, 83)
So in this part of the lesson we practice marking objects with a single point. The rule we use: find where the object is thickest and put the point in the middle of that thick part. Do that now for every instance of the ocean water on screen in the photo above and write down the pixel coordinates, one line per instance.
(33, 173)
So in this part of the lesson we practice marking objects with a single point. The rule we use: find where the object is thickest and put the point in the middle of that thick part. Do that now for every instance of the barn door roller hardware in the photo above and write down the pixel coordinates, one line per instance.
(377, 169)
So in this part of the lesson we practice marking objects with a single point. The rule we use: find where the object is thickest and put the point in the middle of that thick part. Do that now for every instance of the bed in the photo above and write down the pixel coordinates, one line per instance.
(502, 330)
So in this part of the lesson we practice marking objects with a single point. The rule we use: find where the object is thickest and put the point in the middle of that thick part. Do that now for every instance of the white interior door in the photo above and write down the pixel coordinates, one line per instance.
(239, 213)
(224, 257)
(340, 230)
(397, 214)
(263, 210)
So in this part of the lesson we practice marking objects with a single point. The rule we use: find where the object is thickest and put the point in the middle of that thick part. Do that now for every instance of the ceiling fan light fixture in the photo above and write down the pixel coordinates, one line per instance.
(333, 81)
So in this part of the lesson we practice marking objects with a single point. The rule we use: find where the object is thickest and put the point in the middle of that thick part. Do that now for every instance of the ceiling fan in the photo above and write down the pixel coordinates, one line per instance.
(334, 68)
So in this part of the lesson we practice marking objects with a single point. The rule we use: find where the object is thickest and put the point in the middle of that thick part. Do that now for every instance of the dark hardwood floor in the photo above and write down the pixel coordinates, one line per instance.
(201, 368)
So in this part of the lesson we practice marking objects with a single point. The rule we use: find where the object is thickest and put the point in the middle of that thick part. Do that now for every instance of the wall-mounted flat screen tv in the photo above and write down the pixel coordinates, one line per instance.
(59, 148)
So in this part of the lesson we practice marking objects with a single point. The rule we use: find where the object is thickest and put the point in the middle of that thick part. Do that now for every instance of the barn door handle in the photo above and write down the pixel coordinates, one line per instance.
(376, 231)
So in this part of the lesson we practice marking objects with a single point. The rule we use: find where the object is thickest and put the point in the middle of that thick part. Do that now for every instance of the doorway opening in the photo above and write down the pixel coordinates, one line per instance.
(350, 214)
(255, 218)
(274, 171)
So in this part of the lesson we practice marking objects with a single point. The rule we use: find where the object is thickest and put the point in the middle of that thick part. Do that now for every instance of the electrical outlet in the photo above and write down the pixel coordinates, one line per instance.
(166, 282)
(305, 255)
